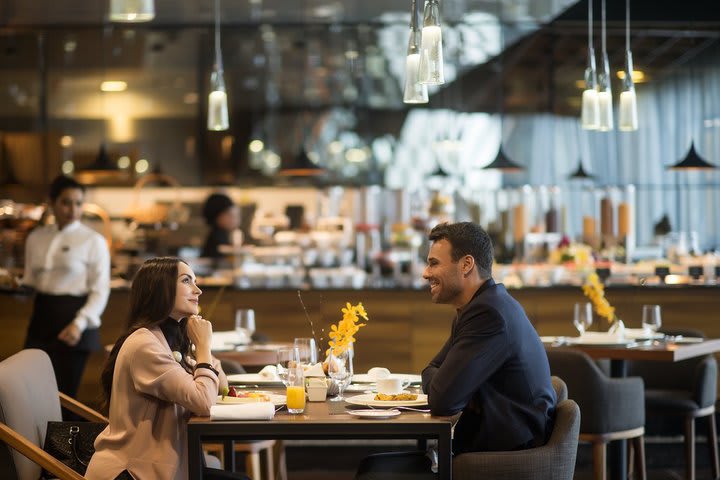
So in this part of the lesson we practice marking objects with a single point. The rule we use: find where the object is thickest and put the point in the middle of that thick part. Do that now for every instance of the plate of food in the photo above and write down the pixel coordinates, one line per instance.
(253, 379)
(374, 414)
(404, 399)
(235, 397)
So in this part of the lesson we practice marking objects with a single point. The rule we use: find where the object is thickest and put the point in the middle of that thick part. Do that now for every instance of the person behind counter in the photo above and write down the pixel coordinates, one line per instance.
(222, 216)
(153, 381)
(493, 367)
(68, 265)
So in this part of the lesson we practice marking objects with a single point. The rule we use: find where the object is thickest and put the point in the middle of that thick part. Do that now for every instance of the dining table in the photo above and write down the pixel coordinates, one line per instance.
(325, 420)
(662, 350)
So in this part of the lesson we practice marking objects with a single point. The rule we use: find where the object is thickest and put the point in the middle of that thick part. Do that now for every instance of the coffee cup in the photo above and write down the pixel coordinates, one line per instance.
(391, 385)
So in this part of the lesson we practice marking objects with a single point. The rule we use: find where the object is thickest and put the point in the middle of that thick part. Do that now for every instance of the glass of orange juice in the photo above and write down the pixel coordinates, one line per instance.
(296, 390)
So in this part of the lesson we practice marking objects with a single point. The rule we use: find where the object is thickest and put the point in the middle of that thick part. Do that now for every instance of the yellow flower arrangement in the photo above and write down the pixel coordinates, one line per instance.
(342, 335)
(594, 290)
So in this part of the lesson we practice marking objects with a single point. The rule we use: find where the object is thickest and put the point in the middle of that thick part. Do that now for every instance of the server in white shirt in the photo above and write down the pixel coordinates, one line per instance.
(68, 265)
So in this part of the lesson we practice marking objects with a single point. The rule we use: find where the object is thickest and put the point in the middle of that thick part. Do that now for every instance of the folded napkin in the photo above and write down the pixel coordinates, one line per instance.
(269, 372)
(243, 411)
(315, 370)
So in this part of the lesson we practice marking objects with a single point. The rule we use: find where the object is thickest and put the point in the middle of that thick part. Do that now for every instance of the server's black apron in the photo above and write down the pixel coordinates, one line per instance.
(52, 313)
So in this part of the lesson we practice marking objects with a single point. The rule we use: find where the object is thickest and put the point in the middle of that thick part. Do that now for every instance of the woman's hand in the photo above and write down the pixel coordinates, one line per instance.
(70, 335)
(200, 333)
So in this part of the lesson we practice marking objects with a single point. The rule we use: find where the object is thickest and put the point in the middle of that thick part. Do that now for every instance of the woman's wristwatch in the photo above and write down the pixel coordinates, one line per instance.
(208, 366)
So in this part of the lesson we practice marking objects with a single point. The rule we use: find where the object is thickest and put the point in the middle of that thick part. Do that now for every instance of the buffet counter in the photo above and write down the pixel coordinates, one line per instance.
(405, 329)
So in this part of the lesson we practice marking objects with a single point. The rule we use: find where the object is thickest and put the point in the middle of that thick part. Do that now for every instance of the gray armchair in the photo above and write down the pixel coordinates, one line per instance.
(553, 461)
(29, 398)
(612, 408)
(687, 389)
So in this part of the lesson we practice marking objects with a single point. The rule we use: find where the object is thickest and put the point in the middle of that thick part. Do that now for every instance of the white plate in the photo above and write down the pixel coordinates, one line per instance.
(358, 387)
(368, 399)
(598, 339)
(405, 377)
(687, 340)
(251, 379)
(547, 339)
(374, 413)
(274, 398)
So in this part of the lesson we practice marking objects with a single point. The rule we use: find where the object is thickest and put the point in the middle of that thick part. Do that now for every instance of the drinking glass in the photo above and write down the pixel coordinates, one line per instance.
(651, 319)
(340, 369)
(307, 349)
(245, 323)
(288, 358)
(296, 390)
(582, 318)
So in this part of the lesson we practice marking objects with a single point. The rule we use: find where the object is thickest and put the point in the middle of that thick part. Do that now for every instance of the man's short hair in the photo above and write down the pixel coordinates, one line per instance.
(62, 183)
(467, 238)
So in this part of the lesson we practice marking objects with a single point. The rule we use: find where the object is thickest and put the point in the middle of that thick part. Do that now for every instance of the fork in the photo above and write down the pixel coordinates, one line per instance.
(410, 409)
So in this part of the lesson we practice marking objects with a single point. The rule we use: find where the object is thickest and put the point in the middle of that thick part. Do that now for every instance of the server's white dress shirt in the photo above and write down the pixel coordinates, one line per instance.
(72, 261)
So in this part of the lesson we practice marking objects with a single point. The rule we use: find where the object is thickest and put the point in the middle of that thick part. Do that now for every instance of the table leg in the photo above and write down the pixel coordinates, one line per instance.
(617, 450)
(445, 456)
(195, 456)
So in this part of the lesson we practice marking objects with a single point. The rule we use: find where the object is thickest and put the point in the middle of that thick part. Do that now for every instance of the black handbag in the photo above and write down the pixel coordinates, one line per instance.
(72, 443)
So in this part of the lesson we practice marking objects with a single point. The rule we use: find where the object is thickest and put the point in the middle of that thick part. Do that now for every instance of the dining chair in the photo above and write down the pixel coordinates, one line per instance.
(686, 389)
(29, 398)
(612, 408)
(553, 461)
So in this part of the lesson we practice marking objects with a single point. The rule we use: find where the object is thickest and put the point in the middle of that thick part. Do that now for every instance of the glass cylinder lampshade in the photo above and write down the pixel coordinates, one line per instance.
(217, 103)
(605, 96)
(415, 92)
(628, 115)
(431, 55)
(131, 11)
(590, 112)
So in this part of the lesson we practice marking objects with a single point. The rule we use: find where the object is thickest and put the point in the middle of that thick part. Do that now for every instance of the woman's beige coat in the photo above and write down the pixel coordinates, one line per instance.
(153, 397)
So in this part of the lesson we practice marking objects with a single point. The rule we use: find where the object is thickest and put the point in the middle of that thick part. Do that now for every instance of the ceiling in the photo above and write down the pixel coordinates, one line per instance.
(316, 53)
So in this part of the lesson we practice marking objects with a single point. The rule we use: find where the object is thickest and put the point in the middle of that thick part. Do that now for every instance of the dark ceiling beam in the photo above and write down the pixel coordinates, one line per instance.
(692, 53)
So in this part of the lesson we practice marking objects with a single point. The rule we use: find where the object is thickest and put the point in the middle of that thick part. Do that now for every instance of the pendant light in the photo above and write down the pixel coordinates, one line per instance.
(692, 161)
(590, 112)
(502, 162)
(627, 115)
(580, 173)
(132, 11)
(604, 87)
(415, 92)
(431, 55)
(217, 118)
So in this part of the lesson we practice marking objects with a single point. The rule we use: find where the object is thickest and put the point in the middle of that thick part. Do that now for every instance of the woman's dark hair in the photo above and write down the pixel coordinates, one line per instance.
(62, 183)
(215, 204)
(152, 298)
(467, 238)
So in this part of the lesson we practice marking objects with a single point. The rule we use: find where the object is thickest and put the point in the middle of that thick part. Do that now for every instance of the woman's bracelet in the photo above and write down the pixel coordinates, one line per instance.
(208, 366)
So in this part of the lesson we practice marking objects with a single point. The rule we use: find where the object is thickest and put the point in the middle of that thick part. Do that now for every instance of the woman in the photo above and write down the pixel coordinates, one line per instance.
(222, 216)
(153, 381)
(68, 264)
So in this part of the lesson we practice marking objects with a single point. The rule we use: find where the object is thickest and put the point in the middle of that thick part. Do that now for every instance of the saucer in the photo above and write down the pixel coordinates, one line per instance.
(376, 414)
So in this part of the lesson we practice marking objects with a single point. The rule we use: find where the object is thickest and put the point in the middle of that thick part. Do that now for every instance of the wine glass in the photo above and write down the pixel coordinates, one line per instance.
(340, 369)
(582, 318)
(245, 323)
(651, 318)
(288, 358)
(307, 349)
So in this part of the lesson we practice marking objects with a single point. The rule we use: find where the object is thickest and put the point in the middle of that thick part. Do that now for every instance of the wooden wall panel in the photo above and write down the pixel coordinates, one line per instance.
(405, 329)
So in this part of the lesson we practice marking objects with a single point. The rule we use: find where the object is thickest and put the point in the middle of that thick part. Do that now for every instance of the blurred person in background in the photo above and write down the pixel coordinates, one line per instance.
(223, 217)
(68, 265)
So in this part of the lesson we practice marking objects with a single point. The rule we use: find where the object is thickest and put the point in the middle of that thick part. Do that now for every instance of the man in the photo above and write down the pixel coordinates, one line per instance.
(493, 367)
